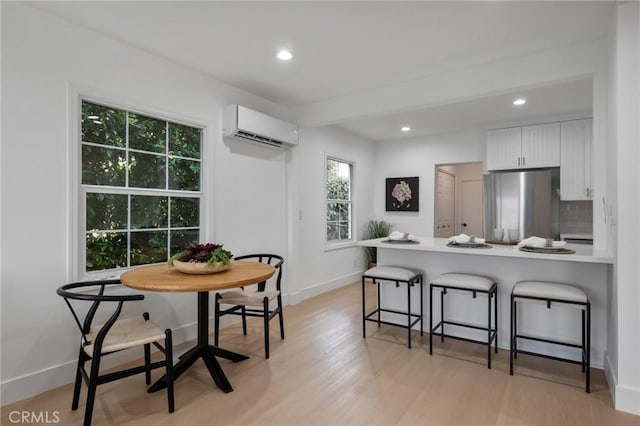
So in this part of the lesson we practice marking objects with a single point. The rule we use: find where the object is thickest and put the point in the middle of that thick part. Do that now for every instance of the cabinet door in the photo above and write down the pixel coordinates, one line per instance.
(503, 148)
(541, 146)
(575, 155)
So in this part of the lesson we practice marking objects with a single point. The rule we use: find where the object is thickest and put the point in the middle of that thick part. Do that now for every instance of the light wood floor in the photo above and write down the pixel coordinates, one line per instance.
(324, 373)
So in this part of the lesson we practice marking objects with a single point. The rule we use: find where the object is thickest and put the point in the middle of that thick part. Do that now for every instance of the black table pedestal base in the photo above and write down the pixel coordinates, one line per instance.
(203, 350)
(208, 354)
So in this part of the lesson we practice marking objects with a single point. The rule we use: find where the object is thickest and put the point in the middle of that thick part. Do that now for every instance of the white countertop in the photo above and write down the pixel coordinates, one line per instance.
(583, 253)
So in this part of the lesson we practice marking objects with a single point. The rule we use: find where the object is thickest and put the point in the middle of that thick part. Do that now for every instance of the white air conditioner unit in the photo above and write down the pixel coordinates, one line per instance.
(243, 124)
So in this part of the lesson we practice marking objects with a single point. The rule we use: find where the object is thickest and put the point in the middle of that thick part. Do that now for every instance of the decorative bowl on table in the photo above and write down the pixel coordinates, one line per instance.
(200, 267)
(202, 259)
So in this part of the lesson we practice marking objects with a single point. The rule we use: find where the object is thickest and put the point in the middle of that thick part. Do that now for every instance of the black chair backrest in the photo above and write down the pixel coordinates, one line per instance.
(93, 292)
(272, 259)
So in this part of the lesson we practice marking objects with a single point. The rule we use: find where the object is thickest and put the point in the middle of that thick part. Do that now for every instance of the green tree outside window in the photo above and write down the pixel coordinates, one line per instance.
(133, 168)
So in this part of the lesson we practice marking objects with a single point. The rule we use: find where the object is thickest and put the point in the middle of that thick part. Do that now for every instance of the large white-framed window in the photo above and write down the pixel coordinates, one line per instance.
(140, 187)
(339, 200)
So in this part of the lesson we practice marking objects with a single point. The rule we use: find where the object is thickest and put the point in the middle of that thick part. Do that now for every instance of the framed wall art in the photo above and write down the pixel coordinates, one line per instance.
(403, 194)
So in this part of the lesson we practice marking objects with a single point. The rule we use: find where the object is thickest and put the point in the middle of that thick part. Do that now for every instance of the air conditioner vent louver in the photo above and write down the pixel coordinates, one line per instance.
(257, 138)
(241, 123)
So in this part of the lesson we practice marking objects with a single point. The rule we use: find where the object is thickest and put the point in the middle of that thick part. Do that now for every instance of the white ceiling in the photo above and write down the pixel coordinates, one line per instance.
(346, 48)
(568, 100)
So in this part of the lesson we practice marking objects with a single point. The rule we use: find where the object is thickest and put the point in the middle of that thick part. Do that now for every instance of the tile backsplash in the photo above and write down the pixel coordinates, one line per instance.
(576, 217)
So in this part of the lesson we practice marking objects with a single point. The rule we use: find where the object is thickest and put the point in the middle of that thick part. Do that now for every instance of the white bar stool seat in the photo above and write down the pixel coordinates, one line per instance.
(396, 275)
(470, 283)
(551, 292)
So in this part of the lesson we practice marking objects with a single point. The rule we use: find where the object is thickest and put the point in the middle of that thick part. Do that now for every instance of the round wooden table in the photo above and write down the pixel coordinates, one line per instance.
(165, 279)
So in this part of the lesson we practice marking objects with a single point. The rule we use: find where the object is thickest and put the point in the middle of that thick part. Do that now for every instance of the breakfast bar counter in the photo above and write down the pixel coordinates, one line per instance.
(587, 269)
(583, 252)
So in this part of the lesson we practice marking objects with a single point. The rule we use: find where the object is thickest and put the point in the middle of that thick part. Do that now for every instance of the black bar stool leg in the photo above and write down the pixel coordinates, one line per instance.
(364, 313)
(421, 309)
(511, 337)
(409, 314)
(489, 330)
(495, 317)
(515, 329)
(379, 313)
(430, 319)
(442, 293)
(584, 353)
(588, 348)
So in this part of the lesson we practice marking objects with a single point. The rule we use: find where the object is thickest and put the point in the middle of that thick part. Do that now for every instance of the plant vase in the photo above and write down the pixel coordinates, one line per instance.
(198, 268)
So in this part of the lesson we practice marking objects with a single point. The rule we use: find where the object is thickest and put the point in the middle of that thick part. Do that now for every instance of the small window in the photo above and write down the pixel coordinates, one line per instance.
(339, 200)
(140, 186)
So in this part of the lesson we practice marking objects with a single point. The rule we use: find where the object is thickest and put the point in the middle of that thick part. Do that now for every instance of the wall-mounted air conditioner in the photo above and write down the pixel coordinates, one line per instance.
(243, 124)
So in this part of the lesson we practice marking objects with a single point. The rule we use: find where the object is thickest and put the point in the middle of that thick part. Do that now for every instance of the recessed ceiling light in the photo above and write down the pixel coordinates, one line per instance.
(405, 128)
(284, 55)
(519, 102)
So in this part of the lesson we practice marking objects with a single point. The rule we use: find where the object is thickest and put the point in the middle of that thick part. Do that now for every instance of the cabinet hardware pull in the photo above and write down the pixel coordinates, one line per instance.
(523, 160)
(518, 161)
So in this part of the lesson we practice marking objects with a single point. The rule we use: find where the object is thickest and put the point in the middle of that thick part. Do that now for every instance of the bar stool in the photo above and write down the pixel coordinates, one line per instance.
(397, 276)
(531, 291)
(474, 284)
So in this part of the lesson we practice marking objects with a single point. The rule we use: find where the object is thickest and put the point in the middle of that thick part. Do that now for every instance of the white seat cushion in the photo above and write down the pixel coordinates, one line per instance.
(126, 333)
(391, 273)
(247, 298)
(466, 281)
(547, 290)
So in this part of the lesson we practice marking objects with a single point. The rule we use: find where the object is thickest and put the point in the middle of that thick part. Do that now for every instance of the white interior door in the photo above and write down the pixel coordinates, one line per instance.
(445, 202)
(471, 210)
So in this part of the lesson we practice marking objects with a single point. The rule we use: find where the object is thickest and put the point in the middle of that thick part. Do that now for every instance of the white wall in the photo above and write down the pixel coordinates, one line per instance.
(319, 268)
(45, 60)
(624, 198)
(418, 157)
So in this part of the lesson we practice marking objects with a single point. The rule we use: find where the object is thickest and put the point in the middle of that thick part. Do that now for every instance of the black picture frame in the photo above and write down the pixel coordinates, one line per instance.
(403, 194)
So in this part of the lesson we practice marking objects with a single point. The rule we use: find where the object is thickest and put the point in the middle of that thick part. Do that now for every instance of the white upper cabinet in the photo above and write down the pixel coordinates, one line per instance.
(504, 147)
(575, 156)
(541, 146)
(524, 147)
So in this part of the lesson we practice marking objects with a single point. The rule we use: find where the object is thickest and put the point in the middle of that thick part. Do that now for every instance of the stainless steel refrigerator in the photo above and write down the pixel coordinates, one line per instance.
(527, 203)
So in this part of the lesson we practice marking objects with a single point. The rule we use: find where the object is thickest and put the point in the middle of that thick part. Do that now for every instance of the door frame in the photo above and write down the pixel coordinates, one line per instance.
(435, 199)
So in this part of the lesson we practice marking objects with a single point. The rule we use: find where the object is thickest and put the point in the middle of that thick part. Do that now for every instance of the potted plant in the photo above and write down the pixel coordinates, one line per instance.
(202, 259)
(375, 229)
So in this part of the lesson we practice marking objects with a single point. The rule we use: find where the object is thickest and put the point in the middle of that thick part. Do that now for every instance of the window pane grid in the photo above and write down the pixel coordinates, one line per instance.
(338, 200)
(160, 203)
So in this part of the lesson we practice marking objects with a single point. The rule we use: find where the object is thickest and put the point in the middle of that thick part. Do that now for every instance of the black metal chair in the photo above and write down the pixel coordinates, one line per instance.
(253, 303)
(114, 335)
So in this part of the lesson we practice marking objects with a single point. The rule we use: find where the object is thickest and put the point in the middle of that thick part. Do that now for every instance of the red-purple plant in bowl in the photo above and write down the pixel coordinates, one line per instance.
(202, 258)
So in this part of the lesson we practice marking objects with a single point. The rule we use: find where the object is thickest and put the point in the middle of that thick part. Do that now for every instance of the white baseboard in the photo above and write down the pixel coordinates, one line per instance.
(625, 398)
(611, 376)
(323, 287)
(28, 385)
(37, 382)
(628, 399)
